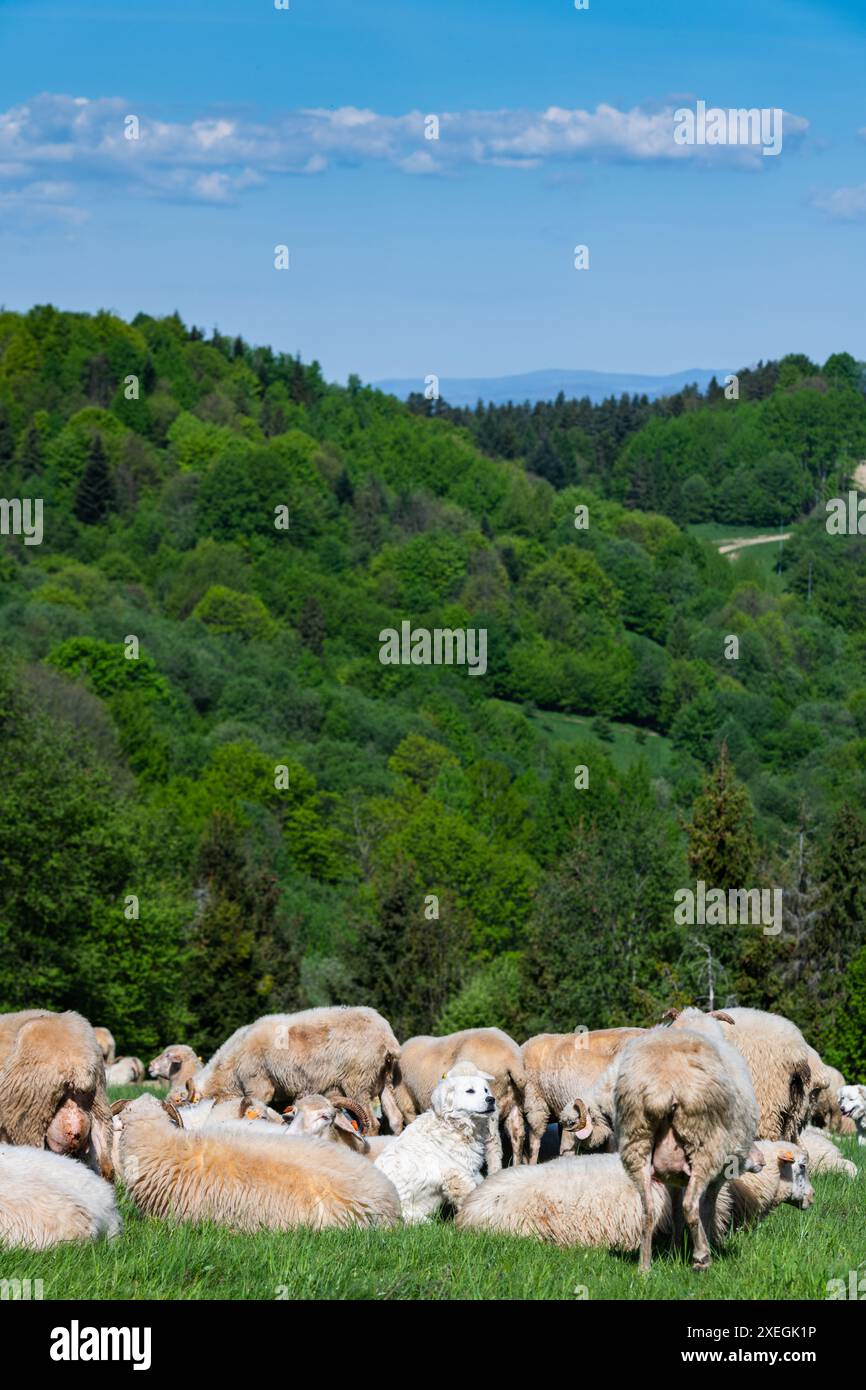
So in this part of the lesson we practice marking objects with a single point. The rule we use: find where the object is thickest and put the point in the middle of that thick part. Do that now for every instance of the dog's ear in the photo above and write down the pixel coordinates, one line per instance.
(442, 1099)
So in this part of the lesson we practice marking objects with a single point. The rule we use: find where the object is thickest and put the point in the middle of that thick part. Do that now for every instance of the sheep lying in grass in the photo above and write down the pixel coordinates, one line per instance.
(46, 1198)
(482, 1051)
(241, 1114)
(246, 1181)
(52, 1086)
(684, 1109)
(560, 1066)
(126, 1071)
(334, 1117)
(852, 1103)
(591, 1201)
(283, 1056)
(106, 1045)
(438, 1157)
(824, 1157)
(177, 1065)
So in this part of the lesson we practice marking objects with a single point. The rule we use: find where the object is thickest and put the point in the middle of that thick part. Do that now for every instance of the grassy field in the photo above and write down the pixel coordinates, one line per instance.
(792, 1255)
(623, 748)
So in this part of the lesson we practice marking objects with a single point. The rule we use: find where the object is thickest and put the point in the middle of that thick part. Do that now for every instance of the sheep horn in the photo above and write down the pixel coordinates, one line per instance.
(726, 1018)
(354, 1107)
(118, 1105)
(581, 1116)
(172, 1112)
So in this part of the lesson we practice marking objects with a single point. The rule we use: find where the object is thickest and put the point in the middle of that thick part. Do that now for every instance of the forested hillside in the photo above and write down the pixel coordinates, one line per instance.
(244, 810)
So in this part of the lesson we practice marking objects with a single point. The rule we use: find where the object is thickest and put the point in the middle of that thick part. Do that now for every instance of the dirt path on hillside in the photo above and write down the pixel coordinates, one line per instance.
(727, 547)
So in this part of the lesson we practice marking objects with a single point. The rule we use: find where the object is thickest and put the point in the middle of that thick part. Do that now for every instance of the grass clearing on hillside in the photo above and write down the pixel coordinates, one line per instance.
(792, 1254)
(623, 748)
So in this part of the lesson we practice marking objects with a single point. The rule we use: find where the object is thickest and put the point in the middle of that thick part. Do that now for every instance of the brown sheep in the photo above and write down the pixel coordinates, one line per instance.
(283, 1056)
(52, 1086)
(559, 1067)
(488, 1051)
(246, 1181)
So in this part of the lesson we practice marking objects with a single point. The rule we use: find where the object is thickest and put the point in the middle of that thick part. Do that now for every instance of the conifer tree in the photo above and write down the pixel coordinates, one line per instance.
(96, 496)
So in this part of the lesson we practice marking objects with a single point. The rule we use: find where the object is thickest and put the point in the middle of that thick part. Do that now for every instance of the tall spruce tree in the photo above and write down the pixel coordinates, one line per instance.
(96, 496)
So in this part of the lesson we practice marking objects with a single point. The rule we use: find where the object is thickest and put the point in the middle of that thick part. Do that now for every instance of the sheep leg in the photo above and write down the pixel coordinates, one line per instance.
(514, 1129)
(536, 1124)
(493, 1147)
(677, 1215)
(692, 1209)
(646, 1201)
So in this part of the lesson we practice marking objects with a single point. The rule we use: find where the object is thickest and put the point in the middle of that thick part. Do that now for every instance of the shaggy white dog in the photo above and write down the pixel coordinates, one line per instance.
(46, 1198)
(852, 1102)
(438, 1158)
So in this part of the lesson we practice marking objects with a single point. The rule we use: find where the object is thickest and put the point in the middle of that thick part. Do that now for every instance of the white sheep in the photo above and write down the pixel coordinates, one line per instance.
(684, 1110)
(242, 1114)
(245, 1181)
(126, 1071)
(177, 1065)
(824, 1157)
(106, 1045)
(337, 1118)
(46, 1198)
(483, 1051)
(438, 1157)
(283, 1056)
(591, 1201)
(777, 1056)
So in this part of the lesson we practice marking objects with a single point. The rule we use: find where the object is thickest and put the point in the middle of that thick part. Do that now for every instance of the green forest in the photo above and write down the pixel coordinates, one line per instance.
(216, 801)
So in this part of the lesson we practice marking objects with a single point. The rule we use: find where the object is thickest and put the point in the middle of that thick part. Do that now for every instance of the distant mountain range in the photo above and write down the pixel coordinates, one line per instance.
(546, 385)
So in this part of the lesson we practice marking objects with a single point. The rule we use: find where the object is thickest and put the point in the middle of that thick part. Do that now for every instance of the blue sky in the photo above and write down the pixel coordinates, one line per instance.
(455, 257)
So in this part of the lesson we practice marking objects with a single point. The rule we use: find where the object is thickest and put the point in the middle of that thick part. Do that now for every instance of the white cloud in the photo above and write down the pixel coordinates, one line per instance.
(842, 204)
(214, 159)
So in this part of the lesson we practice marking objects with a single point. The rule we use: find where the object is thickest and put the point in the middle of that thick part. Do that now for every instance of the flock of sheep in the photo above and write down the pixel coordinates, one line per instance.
(704, 1123)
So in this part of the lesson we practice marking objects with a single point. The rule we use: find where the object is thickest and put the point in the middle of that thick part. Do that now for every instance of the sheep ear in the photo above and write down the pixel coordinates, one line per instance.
(343, 1122)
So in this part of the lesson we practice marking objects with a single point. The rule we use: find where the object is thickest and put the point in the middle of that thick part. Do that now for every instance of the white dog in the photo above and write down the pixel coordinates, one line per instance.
(852, 1102)
(438, 1158)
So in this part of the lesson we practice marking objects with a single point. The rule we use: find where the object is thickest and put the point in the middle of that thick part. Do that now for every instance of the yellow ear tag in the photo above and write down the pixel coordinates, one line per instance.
(251, 1115)
(786, 1156)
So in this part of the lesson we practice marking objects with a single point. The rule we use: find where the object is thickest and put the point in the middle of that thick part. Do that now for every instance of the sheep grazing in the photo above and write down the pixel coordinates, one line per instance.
(684, 1109)
(438, 1157)
(592, 1201)
(52, 1086)
(46, 1198)
(852, 1103)
(283, 1056)
(560, 1066)
(332, 1117)
(245, 1181)
(486, 1051)
(106, 1045)
(178, 1064)
(126, 1071)
(777, 1056)
(823, 1155)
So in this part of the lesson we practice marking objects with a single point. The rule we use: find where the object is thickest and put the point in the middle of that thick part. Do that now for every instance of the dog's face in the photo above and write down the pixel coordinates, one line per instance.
(852, 1102)
(467, 1095)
